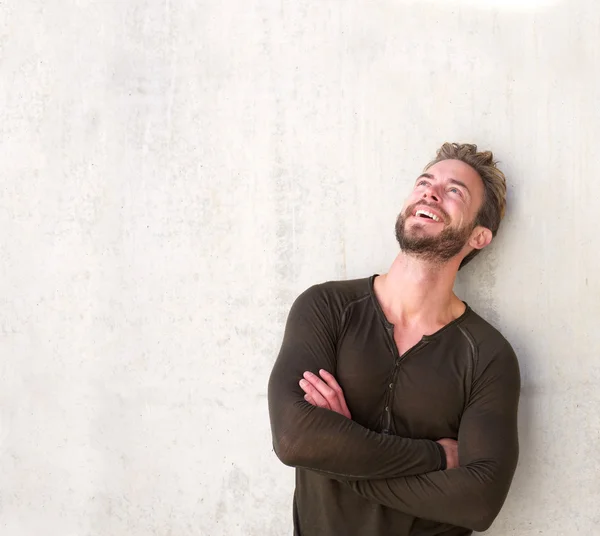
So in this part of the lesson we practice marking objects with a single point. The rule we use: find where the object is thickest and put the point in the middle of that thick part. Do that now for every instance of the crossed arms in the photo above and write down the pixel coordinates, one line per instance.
(401, 473)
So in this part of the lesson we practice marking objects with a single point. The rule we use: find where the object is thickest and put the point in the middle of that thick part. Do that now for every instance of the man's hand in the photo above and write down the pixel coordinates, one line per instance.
(324, 393)
(451, 450)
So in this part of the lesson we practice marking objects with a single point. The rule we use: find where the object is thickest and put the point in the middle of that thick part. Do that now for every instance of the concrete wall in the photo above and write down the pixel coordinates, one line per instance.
(174, 173)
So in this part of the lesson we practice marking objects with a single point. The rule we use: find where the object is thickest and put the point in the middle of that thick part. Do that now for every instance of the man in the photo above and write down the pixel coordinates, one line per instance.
(395, 401)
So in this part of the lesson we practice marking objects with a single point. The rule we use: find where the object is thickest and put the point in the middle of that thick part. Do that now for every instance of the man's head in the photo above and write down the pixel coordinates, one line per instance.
(455, 207)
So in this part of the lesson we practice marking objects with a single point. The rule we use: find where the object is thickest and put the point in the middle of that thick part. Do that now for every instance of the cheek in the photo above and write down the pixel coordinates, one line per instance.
(458, 215)
(407, 204)
(460, 209)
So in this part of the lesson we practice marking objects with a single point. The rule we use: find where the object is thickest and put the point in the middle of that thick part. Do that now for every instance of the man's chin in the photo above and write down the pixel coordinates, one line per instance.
(419, 229)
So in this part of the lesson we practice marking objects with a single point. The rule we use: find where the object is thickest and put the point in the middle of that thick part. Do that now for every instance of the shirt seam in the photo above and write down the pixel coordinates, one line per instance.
(350, 304)
(472, 362)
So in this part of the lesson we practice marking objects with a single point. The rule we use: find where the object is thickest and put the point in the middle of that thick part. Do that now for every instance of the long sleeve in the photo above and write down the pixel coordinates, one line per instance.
(314, 438)
(471, 495)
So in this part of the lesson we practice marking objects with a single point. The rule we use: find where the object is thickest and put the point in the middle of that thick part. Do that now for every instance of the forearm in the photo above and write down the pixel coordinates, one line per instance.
(468, 497)
(488, 447)
(322, 440)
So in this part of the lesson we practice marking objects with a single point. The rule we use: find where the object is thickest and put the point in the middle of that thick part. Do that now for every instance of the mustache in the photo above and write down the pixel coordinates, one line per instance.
(411, 208)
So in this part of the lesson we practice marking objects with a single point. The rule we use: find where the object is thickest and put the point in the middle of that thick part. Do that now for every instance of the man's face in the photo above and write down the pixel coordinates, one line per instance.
(438, 217)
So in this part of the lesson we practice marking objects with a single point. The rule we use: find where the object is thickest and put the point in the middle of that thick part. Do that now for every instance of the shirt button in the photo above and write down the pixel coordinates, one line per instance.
(391, 385)
(387, 408)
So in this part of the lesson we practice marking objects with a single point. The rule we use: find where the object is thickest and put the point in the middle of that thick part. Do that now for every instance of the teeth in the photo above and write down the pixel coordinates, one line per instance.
(431, 215)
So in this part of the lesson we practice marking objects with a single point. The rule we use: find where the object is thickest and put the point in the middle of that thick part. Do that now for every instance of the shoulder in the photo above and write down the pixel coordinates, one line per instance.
(337, 294)
(334, 297)
(489, 345)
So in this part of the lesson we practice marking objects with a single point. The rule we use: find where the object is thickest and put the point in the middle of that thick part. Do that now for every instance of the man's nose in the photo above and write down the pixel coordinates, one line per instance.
(431, 193)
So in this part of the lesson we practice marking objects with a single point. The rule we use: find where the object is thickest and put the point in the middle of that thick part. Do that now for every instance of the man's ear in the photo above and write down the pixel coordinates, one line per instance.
(480, 237)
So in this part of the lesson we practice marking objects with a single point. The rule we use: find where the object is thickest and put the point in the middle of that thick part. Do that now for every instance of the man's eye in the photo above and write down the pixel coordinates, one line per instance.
(455, 191)
(422, 183)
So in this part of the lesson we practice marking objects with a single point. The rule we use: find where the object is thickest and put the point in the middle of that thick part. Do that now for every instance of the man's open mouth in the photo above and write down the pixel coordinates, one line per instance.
(427, 215)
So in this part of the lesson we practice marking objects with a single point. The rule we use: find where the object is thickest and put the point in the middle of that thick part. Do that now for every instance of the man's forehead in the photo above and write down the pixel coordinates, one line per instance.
(453, 169)
(456, 171)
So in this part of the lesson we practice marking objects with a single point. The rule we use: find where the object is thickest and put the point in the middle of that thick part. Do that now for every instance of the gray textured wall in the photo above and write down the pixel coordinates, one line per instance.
(174, 173)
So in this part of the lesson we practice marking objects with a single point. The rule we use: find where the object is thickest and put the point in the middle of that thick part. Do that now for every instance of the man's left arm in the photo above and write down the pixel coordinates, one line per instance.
(471, 495)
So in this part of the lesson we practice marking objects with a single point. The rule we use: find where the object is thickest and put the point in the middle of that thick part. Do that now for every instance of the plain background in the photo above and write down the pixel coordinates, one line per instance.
(174, 173)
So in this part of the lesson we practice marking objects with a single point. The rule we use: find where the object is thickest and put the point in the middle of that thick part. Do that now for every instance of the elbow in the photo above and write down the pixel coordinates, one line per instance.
(483, 523)
(483, 512)
(477, 517)
(296, 448)
(291, 439)
(287, 442)
(487, 499)
(287, 450)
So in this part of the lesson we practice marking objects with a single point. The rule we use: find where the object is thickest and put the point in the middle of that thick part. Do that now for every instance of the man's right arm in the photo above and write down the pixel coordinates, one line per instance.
(315, 438)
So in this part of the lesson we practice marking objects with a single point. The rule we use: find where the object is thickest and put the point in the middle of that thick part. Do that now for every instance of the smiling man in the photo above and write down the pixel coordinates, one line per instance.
(394, 400)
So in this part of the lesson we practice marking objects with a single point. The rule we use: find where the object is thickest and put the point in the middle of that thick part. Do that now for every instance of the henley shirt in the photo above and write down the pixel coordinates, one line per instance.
(382, 473)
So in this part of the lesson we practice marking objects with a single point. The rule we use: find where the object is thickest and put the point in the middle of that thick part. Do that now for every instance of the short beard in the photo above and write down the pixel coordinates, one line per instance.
(436, 249)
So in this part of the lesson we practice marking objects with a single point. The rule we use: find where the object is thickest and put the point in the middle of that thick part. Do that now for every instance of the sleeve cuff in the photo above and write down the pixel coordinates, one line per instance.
(442, 456)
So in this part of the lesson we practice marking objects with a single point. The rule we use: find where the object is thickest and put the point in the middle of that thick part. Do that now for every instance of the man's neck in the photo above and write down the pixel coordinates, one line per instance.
(418, 293)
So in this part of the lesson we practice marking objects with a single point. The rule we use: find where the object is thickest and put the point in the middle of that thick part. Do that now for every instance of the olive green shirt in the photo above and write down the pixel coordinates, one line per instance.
(382, 473)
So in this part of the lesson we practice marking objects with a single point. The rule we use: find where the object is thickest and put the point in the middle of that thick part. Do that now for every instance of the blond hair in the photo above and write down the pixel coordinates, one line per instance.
(494, 184)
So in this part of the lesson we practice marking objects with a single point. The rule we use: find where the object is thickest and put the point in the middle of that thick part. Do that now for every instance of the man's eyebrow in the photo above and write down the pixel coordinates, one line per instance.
(453, 181)
(461, 184)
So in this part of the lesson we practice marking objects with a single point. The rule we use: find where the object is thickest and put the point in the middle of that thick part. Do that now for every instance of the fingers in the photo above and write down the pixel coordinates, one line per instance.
(332, 382)
(324, 391)
(314, 394)
(310, 400)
